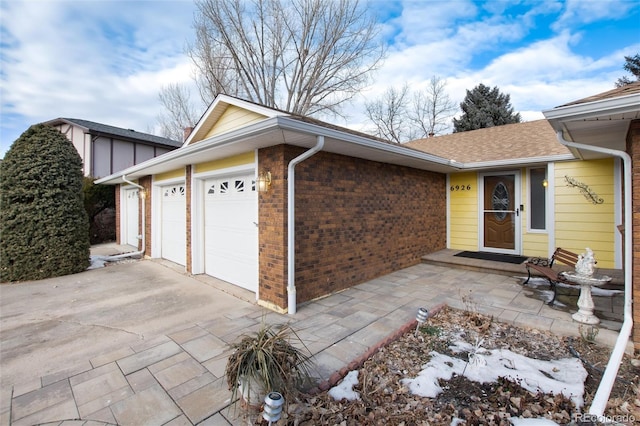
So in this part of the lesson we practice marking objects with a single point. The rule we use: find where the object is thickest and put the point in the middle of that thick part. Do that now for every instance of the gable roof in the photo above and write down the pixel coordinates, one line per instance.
(100, 129)
(276, 128)
(510, 144)
(628, 89)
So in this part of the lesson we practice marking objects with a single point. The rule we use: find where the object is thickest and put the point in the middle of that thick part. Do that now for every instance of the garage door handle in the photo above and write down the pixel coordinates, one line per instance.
(255, 223)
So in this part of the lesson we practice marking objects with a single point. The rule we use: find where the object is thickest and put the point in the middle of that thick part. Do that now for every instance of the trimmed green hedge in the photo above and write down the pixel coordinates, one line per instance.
(44, 230)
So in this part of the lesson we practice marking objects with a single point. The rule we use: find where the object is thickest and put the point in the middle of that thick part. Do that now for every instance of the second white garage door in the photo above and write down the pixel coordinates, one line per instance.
(231, 231)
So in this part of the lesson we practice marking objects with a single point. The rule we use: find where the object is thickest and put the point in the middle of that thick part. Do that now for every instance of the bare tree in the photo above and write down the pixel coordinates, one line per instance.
(400, 117)
(179, 111)
(303, 56)
(432, 108)
(390, 115)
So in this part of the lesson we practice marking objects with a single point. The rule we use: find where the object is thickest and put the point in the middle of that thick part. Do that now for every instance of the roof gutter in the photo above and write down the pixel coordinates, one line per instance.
(601, 397)
(291, 223)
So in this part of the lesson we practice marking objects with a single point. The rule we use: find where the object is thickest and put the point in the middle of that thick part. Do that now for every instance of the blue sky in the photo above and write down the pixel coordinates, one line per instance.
(106, 61)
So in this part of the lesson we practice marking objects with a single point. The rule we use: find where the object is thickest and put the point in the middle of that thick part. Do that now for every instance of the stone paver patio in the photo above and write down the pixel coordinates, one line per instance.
(176, 377)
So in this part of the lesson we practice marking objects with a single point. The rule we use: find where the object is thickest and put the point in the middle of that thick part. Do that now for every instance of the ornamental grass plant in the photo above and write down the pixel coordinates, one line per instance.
(266, 361)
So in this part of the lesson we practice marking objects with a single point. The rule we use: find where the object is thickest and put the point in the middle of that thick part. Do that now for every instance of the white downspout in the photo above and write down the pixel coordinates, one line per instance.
(141, 195)
(601, 397)
(291, 224)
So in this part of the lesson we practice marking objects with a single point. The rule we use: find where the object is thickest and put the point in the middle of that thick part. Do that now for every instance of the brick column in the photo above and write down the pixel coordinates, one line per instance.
(633, 148)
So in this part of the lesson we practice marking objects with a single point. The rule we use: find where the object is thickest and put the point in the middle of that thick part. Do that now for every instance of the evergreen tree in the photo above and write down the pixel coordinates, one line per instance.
(632, 64)
(485, 107)
(43, 224)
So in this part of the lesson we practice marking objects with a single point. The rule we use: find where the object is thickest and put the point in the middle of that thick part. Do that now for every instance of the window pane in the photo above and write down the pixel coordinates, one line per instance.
(538, 204)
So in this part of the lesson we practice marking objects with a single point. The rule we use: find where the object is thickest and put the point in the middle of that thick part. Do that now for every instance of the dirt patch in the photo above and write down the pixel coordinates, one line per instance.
(386, 400)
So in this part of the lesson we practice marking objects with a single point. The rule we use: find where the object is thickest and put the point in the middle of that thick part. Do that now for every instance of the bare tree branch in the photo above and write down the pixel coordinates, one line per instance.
(389, 115)
(400, 119)
(432, 109)
(303, 56)
(179, 111)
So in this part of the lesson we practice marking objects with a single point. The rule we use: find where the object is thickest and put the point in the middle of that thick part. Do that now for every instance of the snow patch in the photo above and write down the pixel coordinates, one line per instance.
(564, 376)
(97, 261)
(345, 389)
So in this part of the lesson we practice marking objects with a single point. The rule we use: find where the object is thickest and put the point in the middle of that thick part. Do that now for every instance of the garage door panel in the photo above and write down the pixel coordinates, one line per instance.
(231, 235)
(131, 226)
(174, 224)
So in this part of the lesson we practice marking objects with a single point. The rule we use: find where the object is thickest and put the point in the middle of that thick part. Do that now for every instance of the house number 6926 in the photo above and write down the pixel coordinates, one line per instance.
(461, 188)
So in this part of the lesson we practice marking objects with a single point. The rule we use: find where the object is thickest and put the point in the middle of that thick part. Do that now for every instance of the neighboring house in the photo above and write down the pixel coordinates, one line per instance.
(608, 125)
(356, 209)
(519, 191)
(107, 149)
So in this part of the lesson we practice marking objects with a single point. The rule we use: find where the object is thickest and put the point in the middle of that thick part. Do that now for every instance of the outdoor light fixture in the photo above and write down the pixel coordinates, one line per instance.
(142, 194)
(545, 183)
(272, 407)
(264, 181)
(421, 317)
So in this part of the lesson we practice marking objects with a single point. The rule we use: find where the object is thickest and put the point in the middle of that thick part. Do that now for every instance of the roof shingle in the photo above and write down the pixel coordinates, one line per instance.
(508, 142)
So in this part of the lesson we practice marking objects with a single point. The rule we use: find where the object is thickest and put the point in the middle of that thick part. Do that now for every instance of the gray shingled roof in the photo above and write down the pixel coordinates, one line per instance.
(104, 129)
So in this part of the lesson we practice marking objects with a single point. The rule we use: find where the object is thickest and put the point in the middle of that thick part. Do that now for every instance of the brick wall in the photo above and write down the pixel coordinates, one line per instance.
(355, 220)
(118, 218)
(145, 182)
(272, 232)
(633, 148)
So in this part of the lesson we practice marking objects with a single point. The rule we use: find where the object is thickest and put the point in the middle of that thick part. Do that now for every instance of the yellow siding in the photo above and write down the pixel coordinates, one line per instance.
(579, 223)
(170, 175)
(463, 208)
(236, 160)
(233, 118)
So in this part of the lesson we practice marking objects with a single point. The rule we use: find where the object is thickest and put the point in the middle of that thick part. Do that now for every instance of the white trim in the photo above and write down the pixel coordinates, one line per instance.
(448, 213)
(585, 110)
(518, 217)
(530, 230)
(221, 102)
(551, 209)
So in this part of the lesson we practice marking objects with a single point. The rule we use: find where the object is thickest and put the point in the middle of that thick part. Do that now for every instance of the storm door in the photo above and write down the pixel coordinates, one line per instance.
(500, 210)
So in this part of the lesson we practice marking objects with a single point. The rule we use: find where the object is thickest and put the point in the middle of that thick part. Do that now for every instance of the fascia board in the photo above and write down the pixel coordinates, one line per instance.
(621, 105)
(314, 129)
(233, 136)
(516, 162)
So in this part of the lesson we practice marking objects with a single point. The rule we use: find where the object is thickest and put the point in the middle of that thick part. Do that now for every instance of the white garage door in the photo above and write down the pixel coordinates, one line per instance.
(131, 231)
(174, 224)
(231, 231)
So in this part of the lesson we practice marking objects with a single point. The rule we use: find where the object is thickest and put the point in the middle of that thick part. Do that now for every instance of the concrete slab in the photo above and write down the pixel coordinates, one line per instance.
(151, 406)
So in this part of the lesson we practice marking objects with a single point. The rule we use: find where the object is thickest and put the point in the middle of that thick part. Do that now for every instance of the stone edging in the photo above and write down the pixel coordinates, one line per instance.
(336, 377)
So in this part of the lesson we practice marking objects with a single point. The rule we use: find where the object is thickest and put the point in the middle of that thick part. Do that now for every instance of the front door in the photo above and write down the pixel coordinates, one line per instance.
(500, 221)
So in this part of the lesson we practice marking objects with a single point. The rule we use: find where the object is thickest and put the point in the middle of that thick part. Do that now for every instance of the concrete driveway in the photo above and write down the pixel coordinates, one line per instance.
(55, 330)
(55, 326)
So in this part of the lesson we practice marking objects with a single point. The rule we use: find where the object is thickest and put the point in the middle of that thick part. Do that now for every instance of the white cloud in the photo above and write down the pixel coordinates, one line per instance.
(101, 61)
(579, 12)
